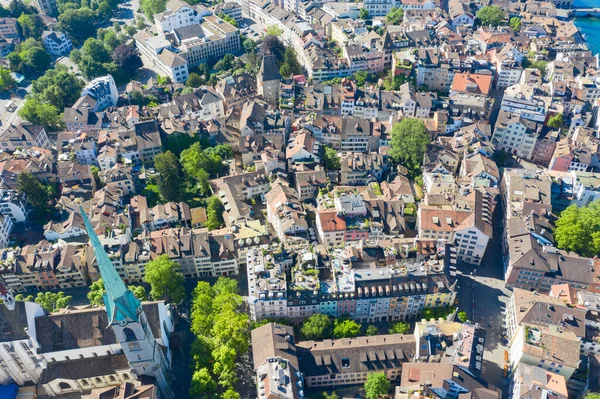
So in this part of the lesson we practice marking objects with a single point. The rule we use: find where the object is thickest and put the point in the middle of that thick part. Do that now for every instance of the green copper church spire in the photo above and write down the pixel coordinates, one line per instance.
(120, 303)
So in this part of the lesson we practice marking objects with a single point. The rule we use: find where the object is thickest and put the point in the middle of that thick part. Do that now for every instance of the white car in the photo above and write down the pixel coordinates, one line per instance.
(263, 199)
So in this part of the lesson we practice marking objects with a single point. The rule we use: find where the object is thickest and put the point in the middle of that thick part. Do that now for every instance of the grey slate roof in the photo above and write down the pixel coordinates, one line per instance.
(84, 368)
(268, 69)
(84, 328)
(13, 323)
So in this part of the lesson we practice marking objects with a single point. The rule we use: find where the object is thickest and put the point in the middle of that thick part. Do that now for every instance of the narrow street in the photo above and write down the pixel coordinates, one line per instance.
(483, 296)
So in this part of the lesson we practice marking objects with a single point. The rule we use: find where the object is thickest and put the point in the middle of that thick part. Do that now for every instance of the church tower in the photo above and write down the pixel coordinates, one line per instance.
(128, 320)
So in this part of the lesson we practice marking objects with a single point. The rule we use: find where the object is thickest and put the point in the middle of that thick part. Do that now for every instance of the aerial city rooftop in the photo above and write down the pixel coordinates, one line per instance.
(299, 199)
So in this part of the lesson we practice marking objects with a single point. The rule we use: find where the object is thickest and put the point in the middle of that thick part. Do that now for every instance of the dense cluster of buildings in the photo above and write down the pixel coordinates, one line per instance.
(452, 350)
(316, 212)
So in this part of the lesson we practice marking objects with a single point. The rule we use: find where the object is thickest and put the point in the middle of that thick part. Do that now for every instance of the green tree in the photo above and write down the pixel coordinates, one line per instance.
(272, 45)
(76, 23)
(578, 229)
(202, 384)
(40, 113)
(592, 395)
(372, 330)
(165, 279)
(214, 213)
(399, 327)
(6, 80)
(490, 16)
(462, 316)
(346, 329)
(361, 77)
(58, 87)
(290, 65)
(249, 45)
(377, 385)
(364, 14)
(556, 121)
(34, 58)
(53, 302)
(333, 395)
(194, 80)
(274, 30)
(230, 394)
(515, 24)
(228, 19)
(409, 142)
(317, 326)
(96, 292)
(331, 160)
(151, 7)
(23, 298)
(170, 183)
(395, 16)
(38, 195)
(96, 49)
(31, 25)
(195, 159)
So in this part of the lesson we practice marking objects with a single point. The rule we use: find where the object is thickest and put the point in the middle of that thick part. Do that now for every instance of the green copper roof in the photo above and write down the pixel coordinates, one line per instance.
(121, 305)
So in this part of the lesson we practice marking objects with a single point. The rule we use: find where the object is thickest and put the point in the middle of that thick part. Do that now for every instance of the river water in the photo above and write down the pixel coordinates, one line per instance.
(589, 27)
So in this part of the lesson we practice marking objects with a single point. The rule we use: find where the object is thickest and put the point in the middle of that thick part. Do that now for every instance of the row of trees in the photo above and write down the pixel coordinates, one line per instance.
(376, 386)
(49, 301)
(320, 326)
(163, 276)
(222, 335)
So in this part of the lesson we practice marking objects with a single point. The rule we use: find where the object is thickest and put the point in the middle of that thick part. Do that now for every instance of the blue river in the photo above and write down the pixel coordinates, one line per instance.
(589, 27)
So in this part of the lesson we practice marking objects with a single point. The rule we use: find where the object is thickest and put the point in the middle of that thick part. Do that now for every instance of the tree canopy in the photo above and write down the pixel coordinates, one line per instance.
(39, 196)
(221, 337)
(515, 24)
(165, 279)
(57, 87)
(272, 45)
(364, 14)
(331, 160)
(377, 385)
(170, 181)
(96, 292)
(49, 301)
(40, 113)
(462, 316)
(76, 23)
(395, 16)
(578, 229)
(409, 142)
(6, 80)
(29, 58)
(399, 327)
(346, 329)
(317, 326)
(290, 65)
(151, 7)
(32, 25)
(556, 121)
(214, 213)
(490, 16)
(372, 330)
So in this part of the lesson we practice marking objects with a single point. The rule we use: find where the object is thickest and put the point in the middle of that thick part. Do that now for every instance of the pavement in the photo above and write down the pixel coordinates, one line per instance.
(17, 97)
(483, 296)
